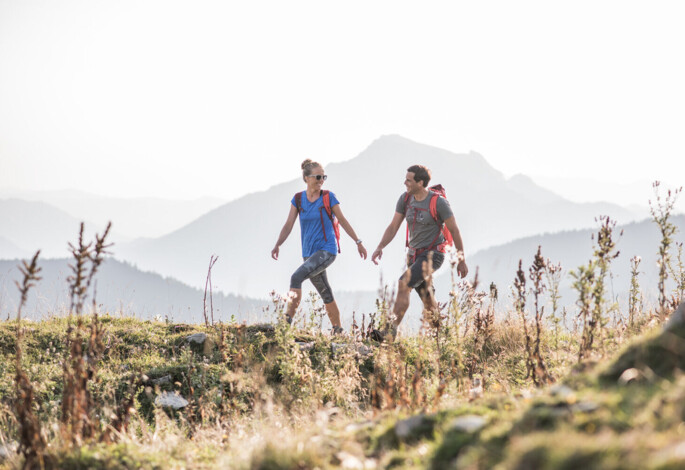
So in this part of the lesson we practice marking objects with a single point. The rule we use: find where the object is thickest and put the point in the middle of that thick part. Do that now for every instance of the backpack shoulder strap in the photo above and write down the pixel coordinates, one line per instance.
(327, 202)
(433, 205)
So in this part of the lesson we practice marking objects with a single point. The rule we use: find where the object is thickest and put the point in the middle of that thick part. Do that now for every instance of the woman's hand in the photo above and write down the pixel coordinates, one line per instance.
(361, 250)
(274, 253)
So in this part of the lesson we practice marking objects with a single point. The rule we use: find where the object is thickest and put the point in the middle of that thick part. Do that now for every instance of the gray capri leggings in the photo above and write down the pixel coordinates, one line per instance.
(314, 269)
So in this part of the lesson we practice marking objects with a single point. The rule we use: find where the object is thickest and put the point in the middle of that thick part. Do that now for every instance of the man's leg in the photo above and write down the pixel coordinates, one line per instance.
(431, 312)
(401, 301)
(426, 290)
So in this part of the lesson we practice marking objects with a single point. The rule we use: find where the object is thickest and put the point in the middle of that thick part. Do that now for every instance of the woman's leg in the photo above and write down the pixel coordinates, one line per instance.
(294, 297)
(313, 266)
(322, 286)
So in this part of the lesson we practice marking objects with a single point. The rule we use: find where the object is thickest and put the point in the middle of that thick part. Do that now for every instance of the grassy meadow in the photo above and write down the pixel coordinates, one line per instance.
(482, 385)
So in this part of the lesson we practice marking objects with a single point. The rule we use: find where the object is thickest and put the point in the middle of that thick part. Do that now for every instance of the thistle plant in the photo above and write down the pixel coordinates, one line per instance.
(583, 284)
(604, 253)
(78, 404)
(31, 442)
(553, 278)
(635, 297)
(678, 274)
(536, 273)
(520, 307)
(661, 213)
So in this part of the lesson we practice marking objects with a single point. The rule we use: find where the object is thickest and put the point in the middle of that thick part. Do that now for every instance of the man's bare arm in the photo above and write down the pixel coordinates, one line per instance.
(451, 225)
(389, 234)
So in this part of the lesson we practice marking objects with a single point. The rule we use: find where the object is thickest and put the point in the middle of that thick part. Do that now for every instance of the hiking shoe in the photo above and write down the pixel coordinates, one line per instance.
(337, 331)
(377, 336)
(386, 334)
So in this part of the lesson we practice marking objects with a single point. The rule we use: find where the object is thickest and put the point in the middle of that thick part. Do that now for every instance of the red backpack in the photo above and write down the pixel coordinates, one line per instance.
(329, 212)
(435, 192)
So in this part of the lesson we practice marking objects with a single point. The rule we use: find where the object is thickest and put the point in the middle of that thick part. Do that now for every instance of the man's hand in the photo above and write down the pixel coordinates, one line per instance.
(361, 250)
(274, 253)
(378, 254)
(462, 269)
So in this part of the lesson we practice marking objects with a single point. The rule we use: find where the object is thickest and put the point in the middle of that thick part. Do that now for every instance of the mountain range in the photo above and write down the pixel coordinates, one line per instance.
(121, 289)
(490, 210)
(501, 220)
(134, 217)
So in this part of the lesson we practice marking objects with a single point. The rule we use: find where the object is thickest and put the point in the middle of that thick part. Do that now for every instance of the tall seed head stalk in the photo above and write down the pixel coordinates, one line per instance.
(661, 213)
(634, 300)
(583, 284)
(553, 278)
(604, 253)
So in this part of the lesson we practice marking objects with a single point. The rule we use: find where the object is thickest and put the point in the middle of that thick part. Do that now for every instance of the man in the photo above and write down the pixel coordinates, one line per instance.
(426, 243)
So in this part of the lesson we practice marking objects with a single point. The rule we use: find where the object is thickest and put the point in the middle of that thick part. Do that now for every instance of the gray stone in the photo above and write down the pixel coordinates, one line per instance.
(630, 376)
(162, 380)
(7, 450)
(305, 346)
(201, 343)
(171, 400)
(468, 423)
(361, 349)
(585, 407)
(561, 391)
(339, 347)
(406, 427)
(354, 427)
(677, 318)
(197, 338)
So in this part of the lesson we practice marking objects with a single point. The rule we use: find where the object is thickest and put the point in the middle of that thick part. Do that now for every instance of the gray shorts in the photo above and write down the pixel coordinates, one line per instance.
(314, 269)
(415, 270)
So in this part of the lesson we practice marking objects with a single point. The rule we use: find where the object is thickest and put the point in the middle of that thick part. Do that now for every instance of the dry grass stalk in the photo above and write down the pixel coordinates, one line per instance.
(584, 281)
(79, 369)
(32, 444)
(520, 307)
(208, 283)
(661, 213)
(536, 272)
(635, 298)
(604, 254)
(123, 413)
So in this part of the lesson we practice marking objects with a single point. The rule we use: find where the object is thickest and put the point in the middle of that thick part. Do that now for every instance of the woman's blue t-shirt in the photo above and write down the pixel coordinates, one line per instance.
(313, 238)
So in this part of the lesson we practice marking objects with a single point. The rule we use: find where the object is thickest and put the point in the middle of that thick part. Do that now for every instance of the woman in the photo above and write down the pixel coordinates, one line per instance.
(319, 243)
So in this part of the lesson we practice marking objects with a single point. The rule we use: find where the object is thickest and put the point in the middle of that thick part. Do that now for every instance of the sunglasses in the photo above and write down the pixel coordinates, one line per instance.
(318, 177)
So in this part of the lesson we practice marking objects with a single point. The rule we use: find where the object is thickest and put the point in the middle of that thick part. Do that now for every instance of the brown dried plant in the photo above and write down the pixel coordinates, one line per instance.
(536, 272)
(32, 444)
(634, 298)
(553, 273)
(79, 369)
(520, 307)
(208, 283)
(661, 213)
(583, 284)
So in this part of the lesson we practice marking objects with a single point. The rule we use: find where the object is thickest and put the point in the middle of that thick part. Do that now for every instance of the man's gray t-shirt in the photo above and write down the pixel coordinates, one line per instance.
(423, 229)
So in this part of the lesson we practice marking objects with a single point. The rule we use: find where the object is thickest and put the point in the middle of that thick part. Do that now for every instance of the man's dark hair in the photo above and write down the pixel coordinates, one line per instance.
(421, 173)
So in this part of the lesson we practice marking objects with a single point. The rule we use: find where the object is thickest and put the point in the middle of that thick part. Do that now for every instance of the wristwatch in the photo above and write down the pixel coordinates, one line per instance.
(358, 242)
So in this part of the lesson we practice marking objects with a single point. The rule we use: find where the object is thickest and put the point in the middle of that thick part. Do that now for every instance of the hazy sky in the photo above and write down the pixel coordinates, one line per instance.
(191, 98)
